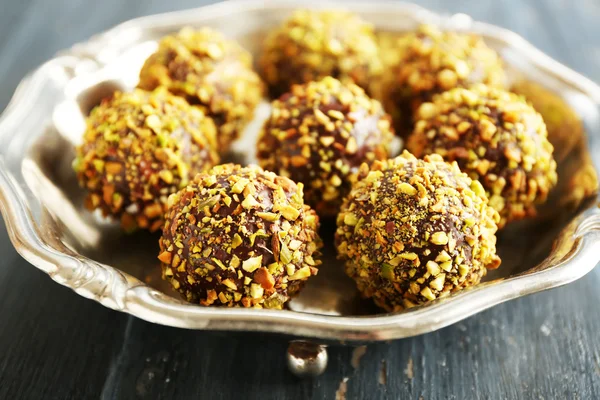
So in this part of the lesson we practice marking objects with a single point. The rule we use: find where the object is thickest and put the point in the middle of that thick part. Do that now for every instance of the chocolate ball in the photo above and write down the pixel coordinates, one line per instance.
(412, 230)
(431, 61)
(496, 138)
(319, 134)
(211, 72)
(138, 148)
(239, 236)
(311, 45)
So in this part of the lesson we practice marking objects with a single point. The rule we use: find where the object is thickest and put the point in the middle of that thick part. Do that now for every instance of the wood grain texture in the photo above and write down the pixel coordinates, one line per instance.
(55, 344)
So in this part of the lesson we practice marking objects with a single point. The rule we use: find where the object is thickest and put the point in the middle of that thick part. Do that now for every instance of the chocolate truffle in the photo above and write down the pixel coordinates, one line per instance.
(412, 230)
(138, 148)
(239, 236)
(431, 61)
(211, 72)
(319, 134)
(496, 138)
(311, 45)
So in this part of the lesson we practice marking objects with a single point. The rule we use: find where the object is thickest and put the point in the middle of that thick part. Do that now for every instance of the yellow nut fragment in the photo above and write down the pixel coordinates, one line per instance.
(289, 212)
(350, 219)
(252, 264)
(427, 293)
(407, 188)
(302, 273)
(439, 238)
(256, 291)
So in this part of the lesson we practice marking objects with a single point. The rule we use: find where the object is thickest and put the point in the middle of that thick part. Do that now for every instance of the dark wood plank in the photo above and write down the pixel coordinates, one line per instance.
(54, 344)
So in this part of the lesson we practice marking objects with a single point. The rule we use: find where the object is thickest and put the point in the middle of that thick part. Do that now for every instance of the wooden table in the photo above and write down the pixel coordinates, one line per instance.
(55, 344)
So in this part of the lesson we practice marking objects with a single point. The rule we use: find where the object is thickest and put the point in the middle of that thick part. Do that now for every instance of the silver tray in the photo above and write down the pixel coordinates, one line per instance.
(42, 204)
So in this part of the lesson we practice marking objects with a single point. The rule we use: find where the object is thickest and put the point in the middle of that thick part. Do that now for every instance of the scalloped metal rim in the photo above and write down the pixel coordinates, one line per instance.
(134, 297)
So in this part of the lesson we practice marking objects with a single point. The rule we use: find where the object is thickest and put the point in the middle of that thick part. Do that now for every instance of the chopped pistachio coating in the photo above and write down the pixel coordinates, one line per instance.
(239, 236)
(431, 61)
(211, 72)
(565, 129)
(138, 148)
(319, 134)
(415, 230)
(311, 45)
(496, 138)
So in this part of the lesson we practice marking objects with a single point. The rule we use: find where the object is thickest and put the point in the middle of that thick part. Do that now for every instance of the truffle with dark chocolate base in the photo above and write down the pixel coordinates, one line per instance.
(138, 148)
(412, 231)
(431, 61)
(496, 138)
(319, 134)
(239, 236)
(211, 72)
(311, 45)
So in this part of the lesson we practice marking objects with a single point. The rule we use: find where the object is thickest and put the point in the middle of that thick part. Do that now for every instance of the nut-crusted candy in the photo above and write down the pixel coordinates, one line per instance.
(415, 230)
(239, 236)
(313, 44)
(496, 138)
(319, 134)
(138, 148)
(432, 61)
(211, 72)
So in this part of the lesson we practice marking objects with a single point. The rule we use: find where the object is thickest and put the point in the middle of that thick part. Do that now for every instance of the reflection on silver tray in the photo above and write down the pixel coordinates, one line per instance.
(42, 204)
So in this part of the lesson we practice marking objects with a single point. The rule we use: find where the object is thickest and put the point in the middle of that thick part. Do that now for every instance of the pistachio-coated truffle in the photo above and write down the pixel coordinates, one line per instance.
(239, 236)
(211, 72)
(138, 148)
(311, 45)
(431, 61)
(319, 134)
(496, 138)
(412, 230)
